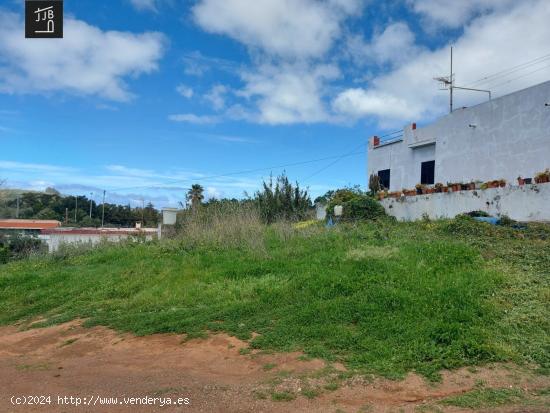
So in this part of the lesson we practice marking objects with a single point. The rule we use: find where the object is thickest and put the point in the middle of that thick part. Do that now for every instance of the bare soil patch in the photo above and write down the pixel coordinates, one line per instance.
(217, 374)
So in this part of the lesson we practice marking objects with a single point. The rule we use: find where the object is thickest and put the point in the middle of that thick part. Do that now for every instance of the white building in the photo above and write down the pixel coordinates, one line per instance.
(501, 139)
(56, 237)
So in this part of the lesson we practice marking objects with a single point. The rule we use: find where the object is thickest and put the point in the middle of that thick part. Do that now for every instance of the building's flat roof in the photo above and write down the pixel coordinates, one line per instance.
(28, 224)
(99, 231)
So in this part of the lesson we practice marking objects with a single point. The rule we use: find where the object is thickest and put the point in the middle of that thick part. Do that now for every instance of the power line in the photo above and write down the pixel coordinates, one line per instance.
(509, 71)
(338, 159)
(519, 77)
(174, 181)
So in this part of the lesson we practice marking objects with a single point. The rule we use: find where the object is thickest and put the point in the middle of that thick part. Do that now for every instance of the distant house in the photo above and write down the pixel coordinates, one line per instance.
(55, 237)
(27, 226)
(500, 139)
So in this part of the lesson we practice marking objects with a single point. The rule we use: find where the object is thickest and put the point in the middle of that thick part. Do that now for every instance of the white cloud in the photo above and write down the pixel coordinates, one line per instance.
(196, 119)
(150, 5)
(86, 61)
(286, 28)
(213, 193)
(358, 102)
(34, 167)
(489, 44)
(453, 13)
(289, 93)
(216, 96)
(185, 91)
(197, 64)
(393, 45)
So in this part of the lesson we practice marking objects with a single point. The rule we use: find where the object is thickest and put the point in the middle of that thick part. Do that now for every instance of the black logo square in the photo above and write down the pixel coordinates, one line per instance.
(43, 19)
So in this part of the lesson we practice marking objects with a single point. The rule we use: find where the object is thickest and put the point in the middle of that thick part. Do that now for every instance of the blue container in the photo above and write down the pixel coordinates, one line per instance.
(489, 220)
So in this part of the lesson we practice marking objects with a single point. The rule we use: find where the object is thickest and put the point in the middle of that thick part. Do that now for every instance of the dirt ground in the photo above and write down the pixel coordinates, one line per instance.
(216, 374)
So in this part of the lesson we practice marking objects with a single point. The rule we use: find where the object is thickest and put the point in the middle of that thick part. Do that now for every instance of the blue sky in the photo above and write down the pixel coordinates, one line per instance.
(143, 98)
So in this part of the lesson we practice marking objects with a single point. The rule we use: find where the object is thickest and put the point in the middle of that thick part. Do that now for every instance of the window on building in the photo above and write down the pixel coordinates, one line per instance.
(427, 173)
(384, 176)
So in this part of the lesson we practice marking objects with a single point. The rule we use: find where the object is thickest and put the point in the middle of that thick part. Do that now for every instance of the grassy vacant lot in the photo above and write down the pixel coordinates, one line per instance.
(381, 297)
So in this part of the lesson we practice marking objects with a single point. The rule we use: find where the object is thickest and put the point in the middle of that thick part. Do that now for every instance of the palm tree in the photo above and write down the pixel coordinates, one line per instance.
(195, 195)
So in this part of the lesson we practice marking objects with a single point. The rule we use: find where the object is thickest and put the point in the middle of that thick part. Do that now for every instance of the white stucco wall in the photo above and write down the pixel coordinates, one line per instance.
(511, 137)
(54, 241)
(521, 203)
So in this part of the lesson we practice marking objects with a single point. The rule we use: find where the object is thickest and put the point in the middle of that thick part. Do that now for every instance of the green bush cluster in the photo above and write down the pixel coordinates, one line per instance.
(14, 247)
(357, 205)
(280, 200)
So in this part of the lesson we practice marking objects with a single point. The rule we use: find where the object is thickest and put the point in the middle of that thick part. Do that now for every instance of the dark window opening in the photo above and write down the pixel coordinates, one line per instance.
(384, 178)
(427, 173)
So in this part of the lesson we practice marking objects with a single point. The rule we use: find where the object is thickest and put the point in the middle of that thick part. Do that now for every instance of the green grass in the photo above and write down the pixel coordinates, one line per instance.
(284, 396)
(384, 298)
(483, 398)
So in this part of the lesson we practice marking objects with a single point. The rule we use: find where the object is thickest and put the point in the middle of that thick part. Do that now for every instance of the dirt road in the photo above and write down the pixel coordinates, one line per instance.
(217, 374)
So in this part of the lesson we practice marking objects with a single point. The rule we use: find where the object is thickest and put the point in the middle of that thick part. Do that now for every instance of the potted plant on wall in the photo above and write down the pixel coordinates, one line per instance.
(454, 186)
(438, 187)
(419, 188)
(521, 181)
(502, 183)
(543, 177)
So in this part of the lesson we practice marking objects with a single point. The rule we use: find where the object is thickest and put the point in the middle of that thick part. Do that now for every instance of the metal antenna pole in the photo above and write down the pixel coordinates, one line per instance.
(75, 208)
(17, 210)
(452, 82)
(91, 200)
(103, 210)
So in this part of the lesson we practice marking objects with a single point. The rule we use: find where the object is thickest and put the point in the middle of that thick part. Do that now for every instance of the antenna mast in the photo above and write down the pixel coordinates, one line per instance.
(448, 83)
(451, 83)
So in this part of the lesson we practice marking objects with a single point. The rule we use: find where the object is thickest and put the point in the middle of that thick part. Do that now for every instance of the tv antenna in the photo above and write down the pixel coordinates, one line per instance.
(448, 83)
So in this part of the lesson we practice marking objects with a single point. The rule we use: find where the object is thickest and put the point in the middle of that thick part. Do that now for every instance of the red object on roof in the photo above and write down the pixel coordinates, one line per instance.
(28, 224)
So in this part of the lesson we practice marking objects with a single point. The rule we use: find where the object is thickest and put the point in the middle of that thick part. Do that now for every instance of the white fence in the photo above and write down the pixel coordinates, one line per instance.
(521, 203)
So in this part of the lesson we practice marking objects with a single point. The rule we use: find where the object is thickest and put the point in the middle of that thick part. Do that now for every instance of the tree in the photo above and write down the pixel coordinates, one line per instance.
(280, 200)
(195, 196)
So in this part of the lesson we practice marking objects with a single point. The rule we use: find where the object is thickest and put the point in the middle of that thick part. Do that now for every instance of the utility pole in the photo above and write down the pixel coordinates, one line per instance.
(17, 209)
(91, 200)
(75, 208)
(66, 216)
(103, 210)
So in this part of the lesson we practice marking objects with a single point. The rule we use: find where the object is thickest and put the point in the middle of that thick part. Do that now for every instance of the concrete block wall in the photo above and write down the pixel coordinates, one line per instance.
(521, 203)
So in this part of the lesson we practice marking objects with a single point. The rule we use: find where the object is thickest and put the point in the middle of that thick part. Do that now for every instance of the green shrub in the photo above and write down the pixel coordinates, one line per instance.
(4, 254)
(280, 200)
(357, 205)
